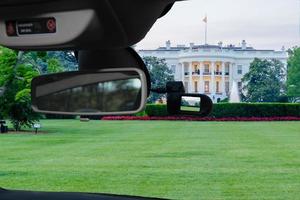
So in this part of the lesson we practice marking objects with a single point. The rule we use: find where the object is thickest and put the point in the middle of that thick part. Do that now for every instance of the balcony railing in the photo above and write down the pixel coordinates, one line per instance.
(197, 73)
(207, 73)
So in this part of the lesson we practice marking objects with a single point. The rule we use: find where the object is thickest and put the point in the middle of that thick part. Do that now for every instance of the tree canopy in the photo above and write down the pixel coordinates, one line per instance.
(15, 79)
(17, 69)
(293, 81)
(265, 81)
(160, 75)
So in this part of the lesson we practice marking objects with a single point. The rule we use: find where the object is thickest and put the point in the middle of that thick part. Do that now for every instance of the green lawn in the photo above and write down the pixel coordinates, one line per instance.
(178, 160)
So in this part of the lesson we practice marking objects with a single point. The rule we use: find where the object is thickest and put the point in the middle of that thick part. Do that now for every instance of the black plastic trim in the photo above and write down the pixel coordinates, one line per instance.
(30, 195)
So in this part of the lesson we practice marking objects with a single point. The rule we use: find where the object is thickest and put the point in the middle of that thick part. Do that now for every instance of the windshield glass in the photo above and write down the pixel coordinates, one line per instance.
(244, 55)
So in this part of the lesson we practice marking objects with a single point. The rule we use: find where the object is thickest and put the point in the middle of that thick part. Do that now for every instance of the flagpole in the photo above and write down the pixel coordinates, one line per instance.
(206, 33)
(205, 20)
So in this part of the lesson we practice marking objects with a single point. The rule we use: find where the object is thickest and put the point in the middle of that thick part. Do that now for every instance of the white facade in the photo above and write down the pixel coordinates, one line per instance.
(211, 69)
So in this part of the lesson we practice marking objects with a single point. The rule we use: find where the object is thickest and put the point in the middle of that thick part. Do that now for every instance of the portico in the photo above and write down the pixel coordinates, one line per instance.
(207, 77)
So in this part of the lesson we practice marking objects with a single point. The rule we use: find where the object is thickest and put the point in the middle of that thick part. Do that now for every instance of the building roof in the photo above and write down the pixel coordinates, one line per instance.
(206, 46)
(179, 48)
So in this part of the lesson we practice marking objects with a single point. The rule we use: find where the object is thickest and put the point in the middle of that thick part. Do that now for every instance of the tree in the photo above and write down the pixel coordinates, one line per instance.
(35, 59)
(265, 81)
(160, 75)
(17, 69)
(67, 59)
(49, 62)
(54, 66)
(15, 79)
(293, 81)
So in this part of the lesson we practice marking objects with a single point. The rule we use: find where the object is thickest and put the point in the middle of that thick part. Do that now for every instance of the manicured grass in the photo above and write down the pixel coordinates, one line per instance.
(178, 160)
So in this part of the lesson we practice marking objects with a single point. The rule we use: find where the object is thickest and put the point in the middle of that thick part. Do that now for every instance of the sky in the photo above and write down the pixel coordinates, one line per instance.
(264, 24)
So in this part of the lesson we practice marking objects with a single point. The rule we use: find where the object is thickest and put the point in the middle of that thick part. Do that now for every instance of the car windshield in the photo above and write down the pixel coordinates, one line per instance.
(244, 55)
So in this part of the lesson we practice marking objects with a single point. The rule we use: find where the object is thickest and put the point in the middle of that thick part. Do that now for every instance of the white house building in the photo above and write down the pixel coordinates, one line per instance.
(211, 69)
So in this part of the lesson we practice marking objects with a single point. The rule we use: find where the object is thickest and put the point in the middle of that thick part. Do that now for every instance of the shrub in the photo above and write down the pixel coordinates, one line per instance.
(222, 110)
(53, 116)
(255, 110)
(158, 110)
(141, 114)
(226, 119)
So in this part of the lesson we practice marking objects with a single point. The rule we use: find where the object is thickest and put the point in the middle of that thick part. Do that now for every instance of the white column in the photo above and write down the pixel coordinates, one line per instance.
(190, 78)
(182, 73)
(231, 66)
(223, 79)
(201, 82)
(213, 79)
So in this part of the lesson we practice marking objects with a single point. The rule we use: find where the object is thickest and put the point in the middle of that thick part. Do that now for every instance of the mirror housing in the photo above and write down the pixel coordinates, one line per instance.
(105, 92)
(180, 103)
(189, 104)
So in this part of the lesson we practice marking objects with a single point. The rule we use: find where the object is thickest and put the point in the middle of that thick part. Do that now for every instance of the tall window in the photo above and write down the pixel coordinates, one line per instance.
(173, 68)
(186, 70)
(227, 70)
(227, 87)
(218, 70)
(196, 69)
(196, 86)
(206, 68)
(218, 87)
(240, 70)
(206, 86)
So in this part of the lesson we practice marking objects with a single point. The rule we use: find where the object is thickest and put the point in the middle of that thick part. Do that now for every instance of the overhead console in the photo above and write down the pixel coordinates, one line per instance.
(77, 24)
(47, 30)
(20, 2)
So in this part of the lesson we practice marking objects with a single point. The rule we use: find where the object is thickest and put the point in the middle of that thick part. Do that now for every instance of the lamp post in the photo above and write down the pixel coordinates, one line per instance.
(37, 127)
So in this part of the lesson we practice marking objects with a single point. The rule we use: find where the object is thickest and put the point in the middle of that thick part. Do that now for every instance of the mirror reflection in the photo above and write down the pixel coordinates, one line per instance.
(110, 96)
(190, 104)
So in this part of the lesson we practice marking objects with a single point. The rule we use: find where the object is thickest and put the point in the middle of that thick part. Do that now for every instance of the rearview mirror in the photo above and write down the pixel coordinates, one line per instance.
(105, 92)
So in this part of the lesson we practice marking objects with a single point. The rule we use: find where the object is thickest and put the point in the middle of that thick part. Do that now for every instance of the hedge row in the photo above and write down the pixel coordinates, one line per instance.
(156, 110)
(53, 116)
(238, 110)
(186, 118)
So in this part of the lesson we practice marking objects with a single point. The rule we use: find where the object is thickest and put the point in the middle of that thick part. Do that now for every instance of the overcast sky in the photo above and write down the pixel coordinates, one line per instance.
(264, 24)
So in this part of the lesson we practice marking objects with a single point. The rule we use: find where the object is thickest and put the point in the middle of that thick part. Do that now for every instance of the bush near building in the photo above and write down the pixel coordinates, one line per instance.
(222, 110)
(256, 110)
(53, 116)
(156, 110)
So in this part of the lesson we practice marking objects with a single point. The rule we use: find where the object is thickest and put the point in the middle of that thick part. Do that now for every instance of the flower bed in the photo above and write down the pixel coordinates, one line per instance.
(174, 118)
